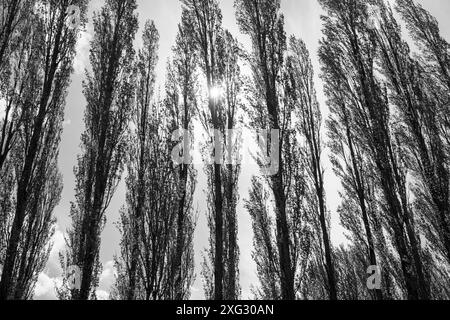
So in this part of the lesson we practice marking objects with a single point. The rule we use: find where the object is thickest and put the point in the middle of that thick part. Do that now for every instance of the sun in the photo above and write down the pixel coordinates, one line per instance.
(216, 92)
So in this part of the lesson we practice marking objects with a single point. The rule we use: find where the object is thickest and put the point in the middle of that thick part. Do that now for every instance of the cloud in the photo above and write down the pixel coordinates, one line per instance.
(51, 277)
(45, 287)
(107, 277)
(107, 280)
(195, 289)
(2, 108)
(81, 60)
(53, 268)
(102, 295)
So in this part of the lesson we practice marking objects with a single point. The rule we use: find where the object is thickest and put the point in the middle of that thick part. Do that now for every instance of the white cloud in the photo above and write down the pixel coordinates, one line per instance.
(107, 279)
(53, 268)
(45, 287)
(195, 289)
(102, 295)
(58, 242)
(2, 108)
(108, 271)
(52, 275)
(82, 58)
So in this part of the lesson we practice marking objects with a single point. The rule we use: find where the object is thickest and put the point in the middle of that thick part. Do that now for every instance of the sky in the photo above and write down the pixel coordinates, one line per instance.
(302, 18)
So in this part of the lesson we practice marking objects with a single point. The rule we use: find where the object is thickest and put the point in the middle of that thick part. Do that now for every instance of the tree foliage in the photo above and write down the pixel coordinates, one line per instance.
(108, 90)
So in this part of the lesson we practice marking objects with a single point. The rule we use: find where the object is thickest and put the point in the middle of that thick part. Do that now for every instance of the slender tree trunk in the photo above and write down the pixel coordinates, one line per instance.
(20, 285)
(90, 253)
(283, 238)
(177, 266)
(328, 255)
(283, 241)
(137, 223)
(231, 219)
(89, 256)
(218, 259)
(400, 239)
(424, 292)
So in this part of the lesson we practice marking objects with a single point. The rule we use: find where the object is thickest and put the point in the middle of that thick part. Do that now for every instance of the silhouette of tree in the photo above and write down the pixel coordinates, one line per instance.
(48, 54)
(303, 97)
(424, 103)
(264, 23)
(229, 104)
(181, 102)
(348, 55)
(109, 94)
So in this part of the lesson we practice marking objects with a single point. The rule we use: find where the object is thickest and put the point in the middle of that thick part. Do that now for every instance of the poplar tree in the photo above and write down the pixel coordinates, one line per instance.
(425, 105)
(108, 90)
(47, 52)
(218, 62)
(263, 22)
(303, 95)
(348, 48)
(182, 102)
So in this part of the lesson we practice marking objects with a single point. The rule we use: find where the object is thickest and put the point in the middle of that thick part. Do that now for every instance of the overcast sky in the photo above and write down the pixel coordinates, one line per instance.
(302, 20)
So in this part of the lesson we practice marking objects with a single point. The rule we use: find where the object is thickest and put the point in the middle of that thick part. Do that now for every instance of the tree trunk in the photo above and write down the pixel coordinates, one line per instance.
(137, 216)
(328, 255)
(287, 277)
(231, 219)
(177, 266)
(218, 259)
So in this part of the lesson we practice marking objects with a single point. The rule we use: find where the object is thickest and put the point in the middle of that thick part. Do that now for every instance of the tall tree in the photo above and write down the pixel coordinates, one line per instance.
(206, 17)
(54, 48)
(424, 104)
(419, 112)
(109, 94)
(157, 227)
(348, 49)
(265, 251)
(302, 218)
(17, 91)
(228, 104)
(303, 95)
(359, 195)
(264, 23)
(157, 247)
(147, 59)
(181, 102)
(232, 82)
(350, 165)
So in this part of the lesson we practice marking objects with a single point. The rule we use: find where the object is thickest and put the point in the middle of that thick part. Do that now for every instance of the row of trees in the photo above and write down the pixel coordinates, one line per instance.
(388, 136)
(387, 133)
(37, 48)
